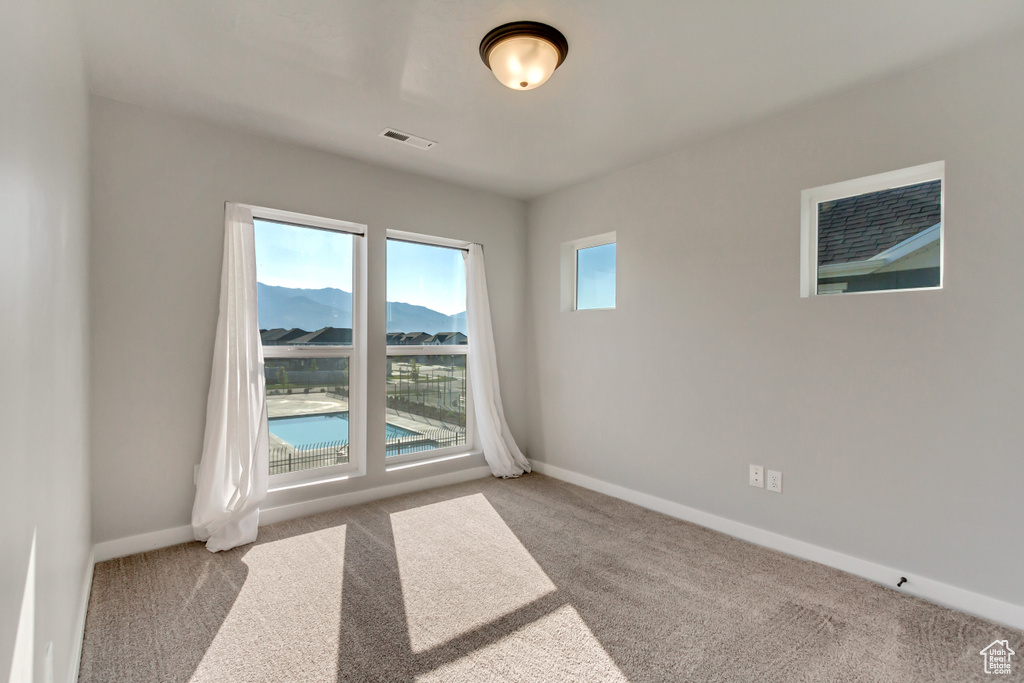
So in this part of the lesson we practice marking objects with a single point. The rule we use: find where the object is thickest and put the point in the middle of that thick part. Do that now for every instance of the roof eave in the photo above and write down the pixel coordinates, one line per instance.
(885, 258)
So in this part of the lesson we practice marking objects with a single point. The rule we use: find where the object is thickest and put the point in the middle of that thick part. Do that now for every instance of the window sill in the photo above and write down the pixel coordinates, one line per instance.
(431, 461)
(290, 485)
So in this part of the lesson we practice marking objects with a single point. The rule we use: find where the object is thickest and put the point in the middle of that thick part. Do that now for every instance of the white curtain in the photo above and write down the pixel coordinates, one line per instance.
(500, 449)
(233, 474)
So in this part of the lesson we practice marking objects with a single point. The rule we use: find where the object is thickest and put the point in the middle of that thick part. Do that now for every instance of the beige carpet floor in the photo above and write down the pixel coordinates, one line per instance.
(520, 580)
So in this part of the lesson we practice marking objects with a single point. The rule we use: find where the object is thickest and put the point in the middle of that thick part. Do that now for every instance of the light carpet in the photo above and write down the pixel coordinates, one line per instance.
(530, 579)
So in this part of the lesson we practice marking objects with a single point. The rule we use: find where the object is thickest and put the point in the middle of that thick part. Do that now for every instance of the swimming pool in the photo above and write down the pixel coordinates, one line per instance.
(304, 431)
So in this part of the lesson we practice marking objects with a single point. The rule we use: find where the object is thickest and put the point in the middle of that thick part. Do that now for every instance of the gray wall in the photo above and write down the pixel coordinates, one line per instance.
(159, 183)
(44, 464)
(896, 418)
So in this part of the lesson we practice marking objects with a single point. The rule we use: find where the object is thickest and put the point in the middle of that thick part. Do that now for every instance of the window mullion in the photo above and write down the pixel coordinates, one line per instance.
(307, 352)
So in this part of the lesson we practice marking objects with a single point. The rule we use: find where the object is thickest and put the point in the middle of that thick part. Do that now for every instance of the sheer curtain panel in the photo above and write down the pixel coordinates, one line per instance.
(500, 449)
(233, 473)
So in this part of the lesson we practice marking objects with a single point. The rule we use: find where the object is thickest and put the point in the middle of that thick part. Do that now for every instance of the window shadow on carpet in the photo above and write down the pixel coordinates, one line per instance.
(153, 616)
(444, 591)
(524, 580)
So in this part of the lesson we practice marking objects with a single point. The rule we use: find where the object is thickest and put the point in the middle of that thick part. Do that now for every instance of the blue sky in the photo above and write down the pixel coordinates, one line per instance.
(595, 277)
(289, 256)
(423, 275)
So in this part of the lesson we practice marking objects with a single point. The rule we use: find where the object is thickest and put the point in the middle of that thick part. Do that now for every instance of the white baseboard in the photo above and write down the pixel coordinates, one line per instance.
(919, 586)
(131, 545)
(122, 547)
(83, 609)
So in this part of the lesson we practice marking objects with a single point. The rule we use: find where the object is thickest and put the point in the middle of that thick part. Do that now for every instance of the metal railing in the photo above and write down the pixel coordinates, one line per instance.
(425, 441)
(310, 456)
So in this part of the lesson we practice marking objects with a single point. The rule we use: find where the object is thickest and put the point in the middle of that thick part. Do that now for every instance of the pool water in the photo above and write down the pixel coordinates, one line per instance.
(303, 431)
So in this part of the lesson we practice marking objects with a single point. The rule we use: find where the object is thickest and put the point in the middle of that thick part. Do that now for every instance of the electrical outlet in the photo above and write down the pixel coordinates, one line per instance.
(774, 481)
(757, 476)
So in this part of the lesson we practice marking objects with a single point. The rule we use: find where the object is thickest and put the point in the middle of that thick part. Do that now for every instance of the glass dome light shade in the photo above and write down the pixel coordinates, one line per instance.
(523, 62)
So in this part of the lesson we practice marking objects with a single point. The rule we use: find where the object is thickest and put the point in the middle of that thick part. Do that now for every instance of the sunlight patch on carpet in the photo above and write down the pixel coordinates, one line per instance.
(283, 576)
(461, 567)
(556, 647)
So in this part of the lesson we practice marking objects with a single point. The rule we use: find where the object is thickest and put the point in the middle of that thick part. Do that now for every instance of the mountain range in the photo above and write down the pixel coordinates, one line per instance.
(311, 309)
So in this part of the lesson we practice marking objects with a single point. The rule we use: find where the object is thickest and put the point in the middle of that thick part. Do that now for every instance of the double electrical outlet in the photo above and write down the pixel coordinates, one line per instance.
(774, 481)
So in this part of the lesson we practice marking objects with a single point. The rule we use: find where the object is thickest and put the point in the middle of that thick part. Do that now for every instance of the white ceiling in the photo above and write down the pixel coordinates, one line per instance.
(642, 77)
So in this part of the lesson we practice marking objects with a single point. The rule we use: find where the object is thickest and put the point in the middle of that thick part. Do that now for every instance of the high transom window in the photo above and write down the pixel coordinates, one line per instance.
(873, 234)
(588, 273)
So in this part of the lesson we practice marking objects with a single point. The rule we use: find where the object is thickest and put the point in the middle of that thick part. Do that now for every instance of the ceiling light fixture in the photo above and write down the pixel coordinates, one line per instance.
(523, 54)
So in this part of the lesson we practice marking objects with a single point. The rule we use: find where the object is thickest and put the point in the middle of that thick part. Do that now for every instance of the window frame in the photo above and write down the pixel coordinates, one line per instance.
(399, 462)
(570, 269)
(811, 198)
(356, 353)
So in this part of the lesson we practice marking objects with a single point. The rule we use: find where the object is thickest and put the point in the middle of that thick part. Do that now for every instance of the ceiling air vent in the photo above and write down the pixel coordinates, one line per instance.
(406, 139)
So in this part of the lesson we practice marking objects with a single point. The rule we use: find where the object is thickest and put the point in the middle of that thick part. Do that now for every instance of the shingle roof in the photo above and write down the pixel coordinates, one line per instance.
(272, 334)
(408, 338)
(280, 335)
(326, 335)
(442, 337)
(857, 228)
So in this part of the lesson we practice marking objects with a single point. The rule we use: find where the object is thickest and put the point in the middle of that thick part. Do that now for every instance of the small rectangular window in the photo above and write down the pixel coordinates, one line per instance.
(873, 234)
(588, 273)
(595, 277)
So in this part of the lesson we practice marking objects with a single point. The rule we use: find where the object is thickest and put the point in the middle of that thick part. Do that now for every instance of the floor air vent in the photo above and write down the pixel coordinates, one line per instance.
(406, 139)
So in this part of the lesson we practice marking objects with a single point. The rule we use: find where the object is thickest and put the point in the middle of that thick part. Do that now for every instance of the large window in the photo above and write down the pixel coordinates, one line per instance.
(873, 234)
(309, 314)
(311, 303)
(428, 407)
